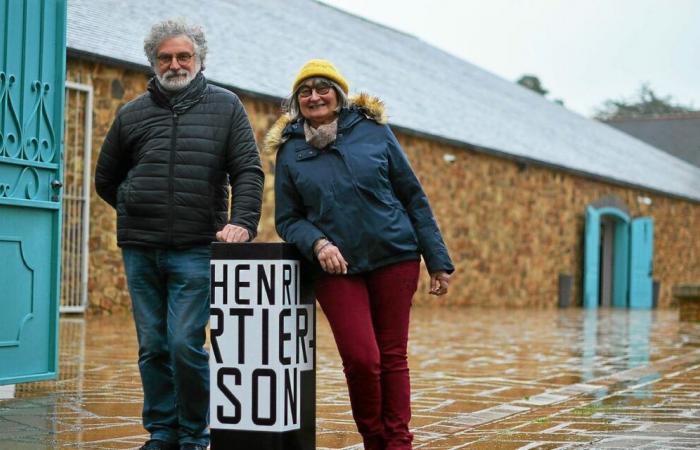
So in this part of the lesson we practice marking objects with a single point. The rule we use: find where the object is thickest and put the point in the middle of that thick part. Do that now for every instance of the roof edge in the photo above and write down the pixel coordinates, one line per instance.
(653, 117)
(146, 70)
(365, 19)
(96, 57)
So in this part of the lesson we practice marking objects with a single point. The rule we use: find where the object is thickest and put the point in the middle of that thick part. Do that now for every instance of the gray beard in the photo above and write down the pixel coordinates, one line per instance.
(175, 83)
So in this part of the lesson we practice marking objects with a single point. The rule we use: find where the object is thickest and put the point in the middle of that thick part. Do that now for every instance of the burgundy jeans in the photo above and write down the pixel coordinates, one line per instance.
(368, 314)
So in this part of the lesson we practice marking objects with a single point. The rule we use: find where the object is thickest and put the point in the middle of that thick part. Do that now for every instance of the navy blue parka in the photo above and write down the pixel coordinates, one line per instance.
(360, 192)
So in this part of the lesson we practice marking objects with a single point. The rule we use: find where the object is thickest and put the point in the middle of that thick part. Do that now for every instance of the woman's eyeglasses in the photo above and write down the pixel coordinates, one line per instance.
(321, 88)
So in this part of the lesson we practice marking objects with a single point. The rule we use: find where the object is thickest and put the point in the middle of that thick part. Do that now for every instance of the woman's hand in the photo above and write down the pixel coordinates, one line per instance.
(330, 258)
(439, 282)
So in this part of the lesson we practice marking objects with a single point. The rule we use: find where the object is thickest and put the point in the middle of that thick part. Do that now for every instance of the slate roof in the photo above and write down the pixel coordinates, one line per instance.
(258, 46)
(677, 134)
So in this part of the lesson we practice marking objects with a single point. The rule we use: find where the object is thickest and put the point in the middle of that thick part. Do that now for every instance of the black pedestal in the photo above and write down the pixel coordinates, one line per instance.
(263, 359)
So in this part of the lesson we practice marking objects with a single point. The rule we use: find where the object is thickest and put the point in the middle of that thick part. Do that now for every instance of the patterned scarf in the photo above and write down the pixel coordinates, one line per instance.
(322, 136)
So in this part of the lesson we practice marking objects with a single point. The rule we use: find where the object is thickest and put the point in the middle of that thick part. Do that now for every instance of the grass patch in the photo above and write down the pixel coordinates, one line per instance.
(589, 410)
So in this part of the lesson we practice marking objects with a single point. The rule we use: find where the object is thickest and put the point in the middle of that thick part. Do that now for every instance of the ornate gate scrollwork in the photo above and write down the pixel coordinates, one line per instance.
(39, 147)
(30, 149)
(10, 142)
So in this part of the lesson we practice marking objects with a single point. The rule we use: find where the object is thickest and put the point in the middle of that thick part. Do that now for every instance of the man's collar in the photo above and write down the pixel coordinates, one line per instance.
(182, 100)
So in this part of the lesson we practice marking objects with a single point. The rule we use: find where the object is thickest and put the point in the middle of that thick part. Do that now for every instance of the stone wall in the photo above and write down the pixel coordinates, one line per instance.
(511, 228)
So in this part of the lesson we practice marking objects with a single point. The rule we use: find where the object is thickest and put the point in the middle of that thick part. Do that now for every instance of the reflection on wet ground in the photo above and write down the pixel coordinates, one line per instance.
(482, 379)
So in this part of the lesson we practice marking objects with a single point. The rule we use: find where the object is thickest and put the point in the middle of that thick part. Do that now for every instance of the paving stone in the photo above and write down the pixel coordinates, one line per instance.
(544, 399)
(624, 443)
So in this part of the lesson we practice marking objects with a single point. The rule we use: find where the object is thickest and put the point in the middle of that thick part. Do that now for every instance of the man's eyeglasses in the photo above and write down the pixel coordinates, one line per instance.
(182, 58)
(321, 88)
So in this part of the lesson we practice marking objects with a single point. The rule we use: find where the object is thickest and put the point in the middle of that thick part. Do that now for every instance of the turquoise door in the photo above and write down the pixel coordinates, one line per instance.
(641, 257)
(32, 68)
(591, 258)
(621, 263)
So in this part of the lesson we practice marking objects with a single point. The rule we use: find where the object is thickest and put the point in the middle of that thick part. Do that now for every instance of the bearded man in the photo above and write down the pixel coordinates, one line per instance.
(166, 166)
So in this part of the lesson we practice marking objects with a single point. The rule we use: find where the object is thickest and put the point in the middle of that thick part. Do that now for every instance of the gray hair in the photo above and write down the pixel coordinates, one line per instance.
(172, 28)
(291, 104)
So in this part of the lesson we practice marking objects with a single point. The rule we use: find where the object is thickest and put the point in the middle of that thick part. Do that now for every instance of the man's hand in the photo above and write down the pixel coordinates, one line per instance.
(232, 233)
(439, 282)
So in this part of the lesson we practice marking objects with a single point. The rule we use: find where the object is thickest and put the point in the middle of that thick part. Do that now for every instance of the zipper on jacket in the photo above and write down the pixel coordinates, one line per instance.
(353, 178)
(171, 180)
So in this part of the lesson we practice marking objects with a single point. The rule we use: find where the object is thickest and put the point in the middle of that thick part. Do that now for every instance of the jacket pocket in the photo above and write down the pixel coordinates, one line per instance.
(124, 196)
(306, 153)
(381, 196)
(313, 177)
(218, 206)
(319, 206)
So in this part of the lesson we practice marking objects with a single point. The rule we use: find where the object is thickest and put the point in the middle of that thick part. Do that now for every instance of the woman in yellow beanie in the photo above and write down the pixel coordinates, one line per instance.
(346, 196)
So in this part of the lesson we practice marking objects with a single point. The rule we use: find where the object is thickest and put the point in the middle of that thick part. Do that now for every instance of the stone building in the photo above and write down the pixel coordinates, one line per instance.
(510, 175)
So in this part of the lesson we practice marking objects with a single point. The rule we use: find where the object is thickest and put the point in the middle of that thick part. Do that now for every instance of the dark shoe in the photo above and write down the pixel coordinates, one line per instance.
(373, 442)
(190, 446)
(156, 444)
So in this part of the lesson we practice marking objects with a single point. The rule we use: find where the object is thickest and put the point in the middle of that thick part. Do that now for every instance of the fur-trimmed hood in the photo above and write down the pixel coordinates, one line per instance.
(368, 105)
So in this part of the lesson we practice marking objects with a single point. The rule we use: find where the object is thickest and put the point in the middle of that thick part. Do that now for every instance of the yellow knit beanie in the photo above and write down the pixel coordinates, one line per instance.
(320, 68)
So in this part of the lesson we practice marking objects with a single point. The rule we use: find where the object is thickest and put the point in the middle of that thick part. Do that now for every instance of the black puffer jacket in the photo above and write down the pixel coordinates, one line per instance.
(166, 162)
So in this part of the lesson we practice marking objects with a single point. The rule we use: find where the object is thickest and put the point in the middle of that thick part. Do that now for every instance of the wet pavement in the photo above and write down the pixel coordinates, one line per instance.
(482, 379)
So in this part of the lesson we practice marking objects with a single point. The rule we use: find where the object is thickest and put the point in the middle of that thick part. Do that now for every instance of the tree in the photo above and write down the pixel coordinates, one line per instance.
(533, 83)
(645, 103)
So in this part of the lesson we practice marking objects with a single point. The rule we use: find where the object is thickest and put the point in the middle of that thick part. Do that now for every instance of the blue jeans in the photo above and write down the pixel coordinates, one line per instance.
(170, 298)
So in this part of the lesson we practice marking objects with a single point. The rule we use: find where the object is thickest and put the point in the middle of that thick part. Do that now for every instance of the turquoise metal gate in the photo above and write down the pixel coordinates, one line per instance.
(32, 71)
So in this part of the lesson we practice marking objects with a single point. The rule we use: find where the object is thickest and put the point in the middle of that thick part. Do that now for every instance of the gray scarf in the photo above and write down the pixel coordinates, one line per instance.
(322, 136)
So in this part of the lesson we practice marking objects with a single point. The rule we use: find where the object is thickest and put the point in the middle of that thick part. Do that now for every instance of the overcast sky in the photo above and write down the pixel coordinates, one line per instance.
(583, 51)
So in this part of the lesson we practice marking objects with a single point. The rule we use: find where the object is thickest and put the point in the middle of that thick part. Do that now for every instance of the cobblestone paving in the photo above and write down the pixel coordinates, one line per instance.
(482, 379)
